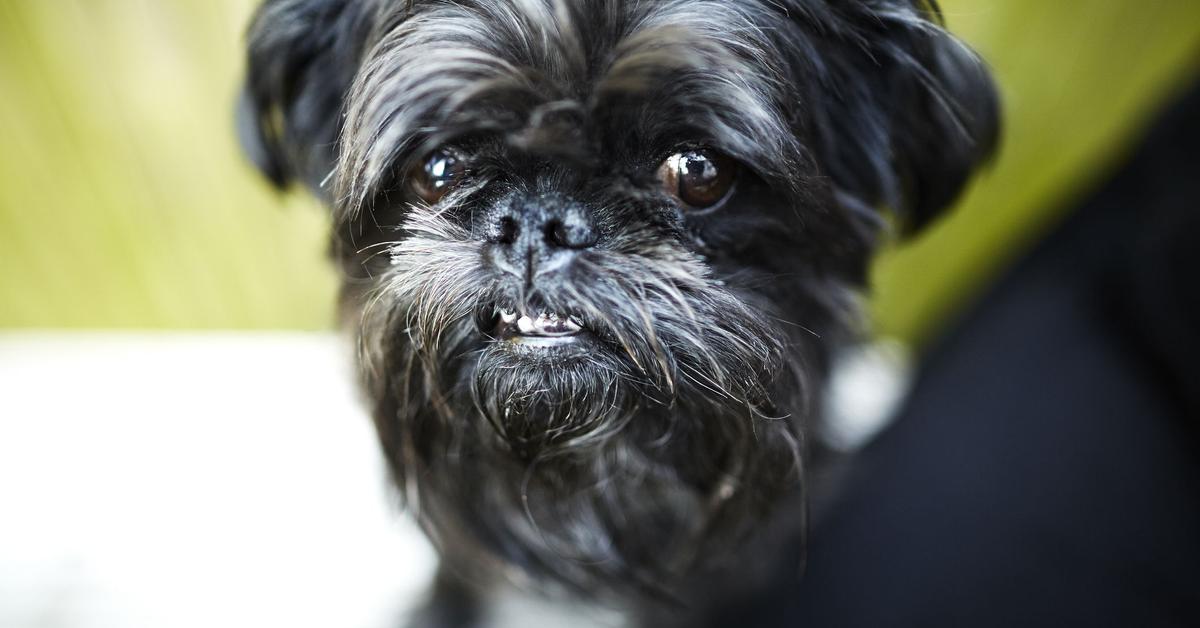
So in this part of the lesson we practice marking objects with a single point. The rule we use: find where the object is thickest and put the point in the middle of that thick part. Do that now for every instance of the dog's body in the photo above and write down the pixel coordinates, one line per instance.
(596, 252)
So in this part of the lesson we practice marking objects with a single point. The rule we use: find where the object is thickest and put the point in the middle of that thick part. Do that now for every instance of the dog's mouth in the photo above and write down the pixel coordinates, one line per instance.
(544, 329)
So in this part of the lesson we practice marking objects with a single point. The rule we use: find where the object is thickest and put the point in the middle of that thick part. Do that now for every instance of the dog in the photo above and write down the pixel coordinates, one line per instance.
(596, 255)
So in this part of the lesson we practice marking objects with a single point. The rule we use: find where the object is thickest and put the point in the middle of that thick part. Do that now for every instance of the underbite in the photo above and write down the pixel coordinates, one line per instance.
(543, 329)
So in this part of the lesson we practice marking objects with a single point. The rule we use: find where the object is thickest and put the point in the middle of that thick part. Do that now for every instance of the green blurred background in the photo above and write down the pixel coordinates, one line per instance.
(124, 202)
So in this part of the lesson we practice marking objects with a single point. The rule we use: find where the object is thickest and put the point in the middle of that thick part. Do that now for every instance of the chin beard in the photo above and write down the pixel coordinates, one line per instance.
(640, 450)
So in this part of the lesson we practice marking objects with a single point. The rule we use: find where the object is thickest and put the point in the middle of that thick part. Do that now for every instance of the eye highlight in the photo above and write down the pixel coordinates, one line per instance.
(437, 174)
(699, 178)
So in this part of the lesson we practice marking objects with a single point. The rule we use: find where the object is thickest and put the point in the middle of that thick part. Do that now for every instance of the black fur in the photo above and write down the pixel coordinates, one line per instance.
(629, 469)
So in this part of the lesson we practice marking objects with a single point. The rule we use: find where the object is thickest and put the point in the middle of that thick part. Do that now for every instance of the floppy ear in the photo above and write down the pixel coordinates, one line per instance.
(302, 57)
(903, 112)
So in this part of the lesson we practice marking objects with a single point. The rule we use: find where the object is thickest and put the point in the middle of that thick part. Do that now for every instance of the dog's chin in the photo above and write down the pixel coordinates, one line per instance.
(550, 394)
(581, 470)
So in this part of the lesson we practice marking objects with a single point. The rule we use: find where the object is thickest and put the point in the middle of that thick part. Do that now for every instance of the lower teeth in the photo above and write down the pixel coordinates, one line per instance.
(545, 324)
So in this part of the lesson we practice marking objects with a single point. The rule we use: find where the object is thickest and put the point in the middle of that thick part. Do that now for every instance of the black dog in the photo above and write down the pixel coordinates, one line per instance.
(596, 252)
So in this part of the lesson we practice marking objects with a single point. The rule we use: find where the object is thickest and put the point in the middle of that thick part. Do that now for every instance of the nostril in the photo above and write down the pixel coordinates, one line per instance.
(555, 233)
(558, 234)
(506, 230)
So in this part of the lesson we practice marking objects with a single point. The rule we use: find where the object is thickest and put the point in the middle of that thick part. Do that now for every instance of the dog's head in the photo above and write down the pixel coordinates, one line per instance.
(596, 251)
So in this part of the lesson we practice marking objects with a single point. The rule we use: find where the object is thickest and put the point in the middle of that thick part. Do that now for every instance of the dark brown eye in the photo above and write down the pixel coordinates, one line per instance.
(698, 178)
(437, 175)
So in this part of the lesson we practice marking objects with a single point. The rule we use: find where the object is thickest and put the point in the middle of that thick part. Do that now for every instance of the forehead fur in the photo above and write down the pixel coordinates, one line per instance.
(704, 70)
(871, 97)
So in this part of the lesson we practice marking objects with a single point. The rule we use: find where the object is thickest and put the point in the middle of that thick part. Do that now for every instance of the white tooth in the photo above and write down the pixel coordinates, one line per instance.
(525, 324)
(572, 324)
(508, 316)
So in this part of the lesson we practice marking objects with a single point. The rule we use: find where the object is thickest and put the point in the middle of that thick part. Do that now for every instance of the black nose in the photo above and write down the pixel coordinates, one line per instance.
(533, 237)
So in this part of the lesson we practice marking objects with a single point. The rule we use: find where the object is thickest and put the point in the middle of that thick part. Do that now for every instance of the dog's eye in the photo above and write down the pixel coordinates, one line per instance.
(698, 178)
(437, 175)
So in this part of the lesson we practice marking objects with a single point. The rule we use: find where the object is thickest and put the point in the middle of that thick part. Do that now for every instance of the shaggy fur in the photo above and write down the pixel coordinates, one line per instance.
(627, 470)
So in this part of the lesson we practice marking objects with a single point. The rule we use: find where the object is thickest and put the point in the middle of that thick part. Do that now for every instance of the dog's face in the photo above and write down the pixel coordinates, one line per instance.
(596, 251)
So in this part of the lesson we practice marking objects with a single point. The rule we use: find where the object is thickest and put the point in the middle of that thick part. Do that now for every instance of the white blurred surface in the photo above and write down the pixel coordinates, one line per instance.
(202, 480)
(867, 387)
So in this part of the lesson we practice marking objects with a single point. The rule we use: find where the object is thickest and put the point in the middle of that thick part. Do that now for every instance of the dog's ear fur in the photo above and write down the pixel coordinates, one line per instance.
(903, 112)
(302, 58)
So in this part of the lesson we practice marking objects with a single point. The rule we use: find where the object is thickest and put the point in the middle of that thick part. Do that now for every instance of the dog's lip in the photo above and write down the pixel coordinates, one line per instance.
(511, 325)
